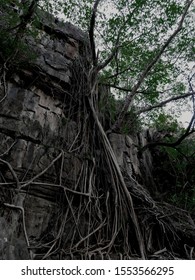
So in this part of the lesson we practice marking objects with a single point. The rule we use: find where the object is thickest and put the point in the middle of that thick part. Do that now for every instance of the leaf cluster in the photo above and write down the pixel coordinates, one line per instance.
(174, 173)
(18, 24)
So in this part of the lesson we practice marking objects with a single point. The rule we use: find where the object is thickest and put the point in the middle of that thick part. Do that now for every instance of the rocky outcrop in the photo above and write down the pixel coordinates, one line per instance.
(33, 132)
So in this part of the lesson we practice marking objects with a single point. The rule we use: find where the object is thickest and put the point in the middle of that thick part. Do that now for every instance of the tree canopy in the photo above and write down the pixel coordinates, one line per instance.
(148, 47)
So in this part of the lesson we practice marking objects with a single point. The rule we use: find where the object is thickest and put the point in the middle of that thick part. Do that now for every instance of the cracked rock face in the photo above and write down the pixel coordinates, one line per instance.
(33, 130)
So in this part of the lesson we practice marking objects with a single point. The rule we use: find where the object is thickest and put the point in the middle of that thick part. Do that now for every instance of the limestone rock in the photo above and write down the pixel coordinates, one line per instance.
(34, 129)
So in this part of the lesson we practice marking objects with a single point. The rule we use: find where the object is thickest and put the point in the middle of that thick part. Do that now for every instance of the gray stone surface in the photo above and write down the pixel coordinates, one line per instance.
(33, 131)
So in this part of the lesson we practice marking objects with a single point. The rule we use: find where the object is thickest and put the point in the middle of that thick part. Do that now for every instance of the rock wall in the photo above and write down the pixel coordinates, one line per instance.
(33, 131)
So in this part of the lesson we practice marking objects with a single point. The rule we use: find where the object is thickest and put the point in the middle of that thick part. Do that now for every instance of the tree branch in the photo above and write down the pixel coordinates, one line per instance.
(102, 65)
(117, 87)
(163, 103)
(129, 89)
(25, 18)
(115, 49)
(119, 73)
(91, 32)
(188, 131)
(193, 93)
(12, 172)
(24, 224)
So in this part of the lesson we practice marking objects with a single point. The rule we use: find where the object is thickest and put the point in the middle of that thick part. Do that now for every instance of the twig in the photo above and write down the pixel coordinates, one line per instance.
(41, 173)
(12, 172)
(4, 83)
(61, 168)
(56, 239)
(188, 132)
(91, 32)
(59, 186)
(160, 251)
(163, 103)
(95, 230)
(24, 224)
(26, 18)
(7, 151)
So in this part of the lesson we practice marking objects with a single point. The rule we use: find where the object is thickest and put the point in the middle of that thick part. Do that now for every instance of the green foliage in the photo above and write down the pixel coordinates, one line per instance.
(110, 107)
(184, 200)
(14, 47)
(168, 123)
(182, 164)
(131, 124)
(174, 173)
(174, 166)
(143, 27)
